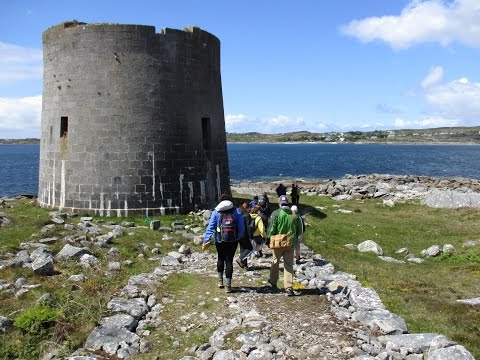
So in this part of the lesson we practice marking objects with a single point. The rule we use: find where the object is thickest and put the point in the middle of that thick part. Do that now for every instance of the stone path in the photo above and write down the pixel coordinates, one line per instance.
(333, 317)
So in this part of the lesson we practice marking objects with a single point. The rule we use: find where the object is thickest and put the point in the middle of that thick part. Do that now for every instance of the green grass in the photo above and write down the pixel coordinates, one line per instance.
(80, 308)
(423, 294)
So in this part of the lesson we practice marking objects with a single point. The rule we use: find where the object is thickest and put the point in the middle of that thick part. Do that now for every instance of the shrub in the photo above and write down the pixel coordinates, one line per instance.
(34, 320)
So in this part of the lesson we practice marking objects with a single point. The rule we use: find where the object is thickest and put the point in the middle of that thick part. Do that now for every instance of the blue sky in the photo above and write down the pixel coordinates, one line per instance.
(286, 66)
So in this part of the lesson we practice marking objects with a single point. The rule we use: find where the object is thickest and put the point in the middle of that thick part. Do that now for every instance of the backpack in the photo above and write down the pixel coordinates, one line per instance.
(227, 227)
(251, 226)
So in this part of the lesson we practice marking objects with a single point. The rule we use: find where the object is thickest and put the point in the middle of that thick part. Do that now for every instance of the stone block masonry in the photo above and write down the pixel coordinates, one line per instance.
(132, 120)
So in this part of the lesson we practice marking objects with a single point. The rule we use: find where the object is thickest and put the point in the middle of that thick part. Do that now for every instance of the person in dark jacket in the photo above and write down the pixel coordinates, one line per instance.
(281, 190)
(225, 250)
(246, 246)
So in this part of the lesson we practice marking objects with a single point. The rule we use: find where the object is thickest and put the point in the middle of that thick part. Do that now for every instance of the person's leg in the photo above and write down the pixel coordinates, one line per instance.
(297, 250)
(288, 268)
(220, 262)
(274, 267)
(230, 249)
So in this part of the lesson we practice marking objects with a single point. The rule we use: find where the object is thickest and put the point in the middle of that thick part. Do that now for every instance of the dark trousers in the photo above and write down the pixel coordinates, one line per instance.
(225, 254)
(245, 249)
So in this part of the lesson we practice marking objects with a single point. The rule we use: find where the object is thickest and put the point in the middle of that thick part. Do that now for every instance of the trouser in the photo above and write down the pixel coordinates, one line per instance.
(287, 255)
(245, 249)
(225, 254)
(297, 247)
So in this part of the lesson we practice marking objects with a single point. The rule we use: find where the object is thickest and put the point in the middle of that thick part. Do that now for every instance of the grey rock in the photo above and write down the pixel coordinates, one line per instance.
(70, 252)
(370, 246)
(109, 338)
(20, 282)
(137, 307)
(391, 260)
(46, 298)
(365, 299)
(418, 343)
(432, 251)
(252, 338)
(415, 260)
(472, 301)
(88, 261)
(226, 355)
(185, 250)
(43, 265)
(387, 322)
(49, 240)
(260, 354)
(120, 320)
(40, 252)
(169, 261)
(351, 246)
(456, 352)
(77, 278)
(448, 249)
(113, 251)
(20, 259)
(218, 337)
(114, 266)
(5, 324)
(402, 251)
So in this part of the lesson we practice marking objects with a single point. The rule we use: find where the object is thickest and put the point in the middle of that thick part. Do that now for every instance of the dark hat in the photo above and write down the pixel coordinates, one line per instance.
(261, 202)
(283, 200)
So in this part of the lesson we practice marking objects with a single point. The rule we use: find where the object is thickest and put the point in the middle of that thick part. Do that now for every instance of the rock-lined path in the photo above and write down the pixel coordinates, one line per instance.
(332, 317)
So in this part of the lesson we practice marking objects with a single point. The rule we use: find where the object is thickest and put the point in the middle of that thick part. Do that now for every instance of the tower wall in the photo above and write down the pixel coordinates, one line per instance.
(132, 120)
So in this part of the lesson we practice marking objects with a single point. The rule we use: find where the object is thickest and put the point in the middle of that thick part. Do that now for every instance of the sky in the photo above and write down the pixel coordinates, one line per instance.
(320, 66)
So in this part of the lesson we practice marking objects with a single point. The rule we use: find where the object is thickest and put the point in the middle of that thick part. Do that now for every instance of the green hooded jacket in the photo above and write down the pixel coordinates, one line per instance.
(281, 225)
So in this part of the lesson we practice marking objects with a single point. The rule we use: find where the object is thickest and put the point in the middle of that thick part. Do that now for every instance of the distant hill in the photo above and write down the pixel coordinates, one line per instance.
(460, 135)
(20, 141)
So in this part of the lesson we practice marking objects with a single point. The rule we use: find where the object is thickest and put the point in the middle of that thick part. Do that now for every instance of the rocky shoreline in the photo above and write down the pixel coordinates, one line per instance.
(391, 189)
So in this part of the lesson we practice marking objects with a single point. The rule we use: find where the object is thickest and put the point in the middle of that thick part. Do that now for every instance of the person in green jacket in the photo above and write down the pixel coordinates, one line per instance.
(280, 222)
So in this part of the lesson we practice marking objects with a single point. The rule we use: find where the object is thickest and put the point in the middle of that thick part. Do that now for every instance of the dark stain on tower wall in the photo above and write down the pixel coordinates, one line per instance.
(132, 120)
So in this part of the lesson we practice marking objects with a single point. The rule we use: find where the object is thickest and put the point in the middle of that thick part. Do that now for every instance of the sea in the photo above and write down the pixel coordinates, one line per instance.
(269, 162)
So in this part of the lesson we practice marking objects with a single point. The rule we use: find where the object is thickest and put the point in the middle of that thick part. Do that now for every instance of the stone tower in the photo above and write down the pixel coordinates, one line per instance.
(132, 120)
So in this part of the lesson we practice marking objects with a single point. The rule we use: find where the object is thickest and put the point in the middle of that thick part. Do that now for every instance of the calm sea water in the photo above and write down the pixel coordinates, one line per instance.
(257, 162)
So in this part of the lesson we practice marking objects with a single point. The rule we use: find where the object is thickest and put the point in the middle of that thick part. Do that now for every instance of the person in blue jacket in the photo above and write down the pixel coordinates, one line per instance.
(225, 249)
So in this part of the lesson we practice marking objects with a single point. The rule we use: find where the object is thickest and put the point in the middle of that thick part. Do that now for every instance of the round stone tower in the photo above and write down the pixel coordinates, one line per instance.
(132, 120)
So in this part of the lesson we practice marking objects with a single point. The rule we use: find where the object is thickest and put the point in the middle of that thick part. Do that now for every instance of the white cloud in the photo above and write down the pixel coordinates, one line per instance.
(19, 63)
(21, 114)
(433, 77)
(282, 123)
(430, 122)
(422, 21)
(457, 99)
(235, 122)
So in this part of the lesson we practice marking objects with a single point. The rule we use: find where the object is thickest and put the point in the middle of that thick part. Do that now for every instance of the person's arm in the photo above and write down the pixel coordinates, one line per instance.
(211, 227)
(261, 227)
(240, 223)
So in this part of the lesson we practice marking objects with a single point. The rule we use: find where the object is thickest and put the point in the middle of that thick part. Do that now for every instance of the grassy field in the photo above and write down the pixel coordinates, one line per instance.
(423, 294)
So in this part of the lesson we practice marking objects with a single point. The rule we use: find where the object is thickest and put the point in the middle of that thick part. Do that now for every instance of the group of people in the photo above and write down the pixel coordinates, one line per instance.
(294, 193)
(252, 226)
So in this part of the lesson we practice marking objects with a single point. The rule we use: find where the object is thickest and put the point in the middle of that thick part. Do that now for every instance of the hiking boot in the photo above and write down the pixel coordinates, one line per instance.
(229, 289)
(290, 292)
(220, 284)
(240, 263)
(272, 285)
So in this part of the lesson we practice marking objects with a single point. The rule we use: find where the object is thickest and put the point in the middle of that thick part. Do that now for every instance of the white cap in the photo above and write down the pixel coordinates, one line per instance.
(294, 208)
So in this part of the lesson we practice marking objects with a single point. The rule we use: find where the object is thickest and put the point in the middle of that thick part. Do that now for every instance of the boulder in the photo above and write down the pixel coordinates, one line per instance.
(432, 251)
(70, 252)
(136, 307)
(386, 322)
(456, 352)
(43, 265)
(370, 246)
